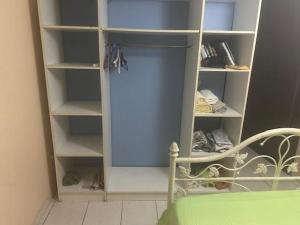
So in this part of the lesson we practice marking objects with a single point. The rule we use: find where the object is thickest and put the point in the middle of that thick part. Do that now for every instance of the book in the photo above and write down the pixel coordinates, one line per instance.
(228, 53)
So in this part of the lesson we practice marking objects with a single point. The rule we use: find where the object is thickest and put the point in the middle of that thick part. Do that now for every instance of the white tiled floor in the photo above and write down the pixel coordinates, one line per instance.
(106, 213)
(130, 212)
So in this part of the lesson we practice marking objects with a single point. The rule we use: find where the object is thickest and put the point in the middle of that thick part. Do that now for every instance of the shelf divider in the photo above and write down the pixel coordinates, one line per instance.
(74, 66)
(71, 28)
(78, 108)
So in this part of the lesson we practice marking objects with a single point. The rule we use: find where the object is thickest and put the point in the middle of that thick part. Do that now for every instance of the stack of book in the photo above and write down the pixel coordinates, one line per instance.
(216, 55)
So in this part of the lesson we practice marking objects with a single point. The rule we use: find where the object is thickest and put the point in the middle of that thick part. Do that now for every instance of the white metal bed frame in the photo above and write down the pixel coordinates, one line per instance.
(182, 174)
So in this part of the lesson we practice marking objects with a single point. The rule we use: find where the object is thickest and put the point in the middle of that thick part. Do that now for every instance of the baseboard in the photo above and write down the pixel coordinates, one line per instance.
(44, 211)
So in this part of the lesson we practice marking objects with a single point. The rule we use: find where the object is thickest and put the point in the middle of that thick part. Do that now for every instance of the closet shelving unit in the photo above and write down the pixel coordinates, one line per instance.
(70, 38)
(75, 34)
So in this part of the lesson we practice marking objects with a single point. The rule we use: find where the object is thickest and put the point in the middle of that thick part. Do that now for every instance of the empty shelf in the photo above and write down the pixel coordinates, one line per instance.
(74, 66)
(87, 176)
(211, 69)
(139, 180)
(150, 31)
(229, 113)
(226, 32)
(82, 108)
(81, 146)
(71, 28)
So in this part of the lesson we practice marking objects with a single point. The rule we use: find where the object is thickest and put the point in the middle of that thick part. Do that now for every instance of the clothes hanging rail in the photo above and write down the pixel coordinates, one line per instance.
(152, 46)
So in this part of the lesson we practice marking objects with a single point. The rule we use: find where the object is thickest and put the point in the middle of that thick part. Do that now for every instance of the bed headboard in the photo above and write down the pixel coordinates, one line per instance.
(181, 179)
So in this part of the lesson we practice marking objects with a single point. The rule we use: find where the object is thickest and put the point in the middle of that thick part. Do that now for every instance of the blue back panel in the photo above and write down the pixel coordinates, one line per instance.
(146, 103)
(219, 15)
(213, 81)
(148, 14)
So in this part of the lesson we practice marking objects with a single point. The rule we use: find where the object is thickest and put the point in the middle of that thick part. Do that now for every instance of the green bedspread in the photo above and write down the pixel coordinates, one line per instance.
(247, 208)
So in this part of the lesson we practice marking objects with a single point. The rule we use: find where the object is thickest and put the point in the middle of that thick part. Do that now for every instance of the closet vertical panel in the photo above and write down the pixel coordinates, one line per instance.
(195, 14)
(42, 19)
(258, 8)
(191, 77)
(190, 87)
(105, 93)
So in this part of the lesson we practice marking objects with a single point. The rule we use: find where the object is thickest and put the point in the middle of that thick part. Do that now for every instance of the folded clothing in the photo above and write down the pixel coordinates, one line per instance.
(209, 97)
(215, 141)
(71, 178)
(200, 142)
(208, 102)
(219, 107)
(222, 141)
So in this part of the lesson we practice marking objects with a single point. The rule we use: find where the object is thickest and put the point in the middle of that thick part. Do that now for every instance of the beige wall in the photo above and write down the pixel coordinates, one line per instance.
(24, 131)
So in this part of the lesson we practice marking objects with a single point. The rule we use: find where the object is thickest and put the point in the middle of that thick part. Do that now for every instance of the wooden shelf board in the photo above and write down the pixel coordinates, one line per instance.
(211, 69)
(81, 146)
(229, 113)
(82, 187)
(227, 32)
(71, 28)
(149, 31)
(74, 66)
(75, 108)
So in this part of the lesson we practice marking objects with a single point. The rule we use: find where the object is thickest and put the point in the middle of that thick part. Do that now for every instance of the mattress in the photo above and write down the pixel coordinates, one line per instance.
(247, 208)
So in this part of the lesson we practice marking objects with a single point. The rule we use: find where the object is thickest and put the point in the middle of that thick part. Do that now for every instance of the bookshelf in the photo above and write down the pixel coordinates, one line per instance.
(230, 85)
(120, 126)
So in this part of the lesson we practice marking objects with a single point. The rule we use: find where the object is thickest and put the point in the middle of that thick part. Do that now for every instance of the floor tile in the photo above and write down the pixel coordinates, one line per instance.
(103, 213)
(67, 213)
(139, 213)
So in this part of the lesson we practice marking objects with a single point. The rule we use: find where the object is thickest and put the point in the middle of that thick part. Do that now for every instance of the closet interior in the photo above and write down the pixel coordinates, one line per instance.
(112, 125)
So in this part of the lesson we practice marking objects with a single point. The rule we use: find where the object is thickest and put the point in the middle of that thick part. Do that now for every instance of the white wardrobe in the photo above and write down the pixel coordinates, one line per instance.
(118, 127)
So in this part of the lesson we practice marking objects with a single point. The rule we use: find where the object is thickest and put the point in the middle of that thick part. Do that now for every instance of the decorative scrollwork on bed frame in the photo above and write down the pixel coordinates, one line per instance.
(212, 173)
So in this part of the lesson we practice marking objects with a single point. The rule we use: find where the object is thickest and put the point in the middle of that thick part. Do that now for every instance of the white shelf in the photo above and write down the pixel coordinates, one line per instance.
(76, 108)
(71, 28)
(150, 31)
(226, 32)
(82, 187)
(81, 66)
(229, 113)
(81, 146)
(211, 69)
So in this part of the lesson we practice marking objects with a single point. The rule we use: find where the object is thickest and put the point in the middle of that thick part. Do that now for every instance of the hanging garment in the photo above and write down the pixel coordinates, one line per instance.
(114, 58)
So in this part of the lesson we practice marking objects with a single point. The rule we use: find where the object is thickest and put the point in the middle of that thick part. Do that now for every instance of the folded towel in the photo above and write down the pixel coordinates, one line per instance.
(219, 107)
(235, 67)
(209, 97)
(201, 105)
